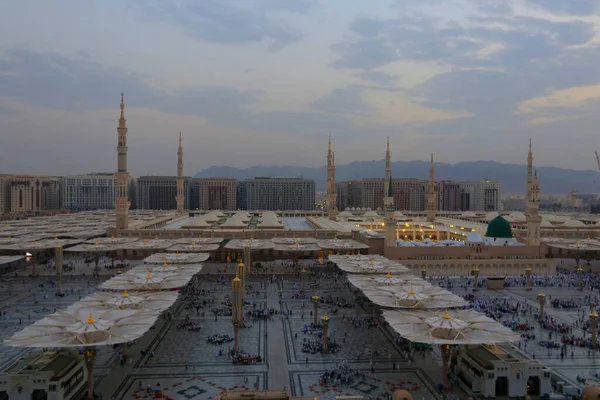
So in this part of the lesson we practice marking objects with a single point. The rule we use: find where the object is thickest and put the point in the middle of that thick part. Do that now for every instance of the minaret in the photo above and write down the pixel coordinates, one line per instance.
(331, 188)
(532, 203)
(431, 195)
(180, 197)
(388, 202)
(122, 202)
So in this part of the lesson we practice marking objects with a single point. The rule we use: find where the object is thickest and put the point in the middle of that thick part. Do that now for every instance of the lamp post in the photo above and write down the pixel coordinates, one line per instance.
(445, 362)
(241, 273)
(528, 278)
(594, 328)
(247, 259)
(542, 300)
(424, 272)
(90, 361)
(579, 278)
(58, 260)
(315, 300)
(236, 315)
(476, 279)
(325, 322)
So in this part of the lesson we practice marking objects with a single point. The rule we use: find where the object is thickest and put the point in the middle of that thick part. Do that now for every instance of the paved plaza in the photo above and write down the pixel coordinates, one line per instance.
(187, 366)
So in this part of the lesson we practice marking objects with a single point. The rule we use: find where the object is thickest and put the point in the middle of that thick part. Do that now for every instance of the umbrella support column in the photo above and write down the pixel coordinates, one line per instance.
(236, 331)
(248, 259)
(445, 361)
(96, 261)
(90, 361)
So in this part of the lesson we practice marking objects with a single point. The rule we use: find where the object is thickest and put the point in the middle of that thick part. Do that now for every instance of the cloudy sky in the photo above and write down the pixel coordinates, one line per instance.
(252, 82)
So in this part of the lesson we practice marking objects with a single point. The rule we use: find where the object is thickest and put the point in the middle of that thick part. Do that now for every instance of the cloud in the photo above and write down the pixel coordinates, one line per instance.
(342, 101)
(59, 82)
(229, 22)
(579, 7)
(378, 77)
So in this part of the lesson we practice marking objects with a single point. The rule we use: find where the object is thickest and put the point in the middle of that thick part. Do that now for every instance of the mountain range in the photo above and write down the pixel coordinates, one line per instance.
(511, 177)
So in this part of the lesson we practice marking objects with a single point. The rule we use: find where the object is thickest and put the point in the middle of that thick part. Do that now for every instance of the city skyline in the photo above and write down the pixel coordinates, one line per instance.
(248, 83)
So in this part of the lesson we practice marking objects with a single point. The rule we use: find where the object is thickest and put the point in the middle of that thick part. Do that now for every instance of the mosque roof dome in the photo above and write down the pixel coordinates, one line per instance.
(499, 227)
(475, 237)
(517, 216)
(345, 214)
(545, 223)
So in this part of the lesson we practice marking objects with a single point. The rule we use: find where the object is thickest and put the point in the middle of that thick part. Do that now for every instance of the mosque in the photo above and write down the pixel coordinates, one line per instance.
(442, 243)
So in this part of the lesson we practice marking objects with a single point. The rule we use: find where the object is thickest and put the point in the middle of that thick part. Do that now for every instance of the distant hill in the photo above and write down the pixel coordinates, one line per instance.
(512, 177)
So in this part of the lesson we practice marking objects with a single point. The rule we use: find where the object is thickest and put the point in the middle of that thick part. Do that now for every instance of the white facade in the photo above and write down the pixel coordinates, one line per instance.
(90, 192)
(59, 376)
(501, 371)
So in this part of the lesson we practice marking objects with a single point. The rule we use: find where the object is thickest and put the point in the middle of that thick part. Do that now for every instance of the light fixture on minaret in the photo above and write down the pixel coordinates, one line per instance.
(122, 201)
(532, 203)
(331, 185)
(431, 195)
(180, 198)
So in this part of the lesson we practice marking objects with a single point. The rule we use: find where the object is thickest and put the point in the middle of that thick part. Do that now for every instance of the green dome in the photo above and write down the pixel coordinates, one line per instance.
(499, 228)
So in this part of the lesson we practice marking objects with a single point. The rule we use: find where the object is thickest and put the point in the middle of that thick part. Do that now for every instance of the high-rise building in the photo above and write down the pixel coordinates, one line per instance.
(283, 194)
(194, 194)
(90, 192)
(218, 193)
(242, 195)
(34, 193)
(412, 195)
(4, 194)
(159, 192)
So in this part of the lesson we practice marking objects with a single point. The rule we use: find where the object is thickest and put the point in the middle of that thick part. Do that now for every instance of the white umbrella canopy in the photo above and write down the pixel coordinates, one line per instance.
(254, 244)
(176, 258)
(193, 247)
(415, 296)
(153, 301)
(85, 327)
(452, 327)
(138, 279)
(368, 265)
(368, 281)
(294, 240)
(341, 244)
(200, 240)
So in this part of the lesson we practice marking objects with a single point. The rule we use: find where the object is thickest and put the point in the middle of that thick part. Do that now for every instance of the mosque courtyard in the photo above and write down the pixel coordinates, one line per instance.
(176, 355)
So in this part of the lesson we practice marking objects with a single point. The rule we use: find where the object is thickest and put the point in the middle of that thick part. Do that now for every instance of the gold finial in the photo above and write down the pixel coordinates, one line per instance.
(237, 278)
(412, 291)
(358, 253)
(90, 320)
(315, 297)
(541, 294)
(388, 275)
(58, 245)
(177, 254)
(371, 262)
(165, 264)
(446, 315)
(145, 242)
(125, 294)
(118, 270)
(148, 276)
(325, 318)
(241, 264)
(594, 314)
(97, 244)
(113, 237)
(156, 237)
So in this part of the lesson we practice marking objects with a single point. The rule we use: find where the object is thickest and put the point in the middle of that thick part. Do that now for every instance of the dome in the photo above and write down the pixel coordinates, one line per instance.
(475, 237)
(491, 215)
(352, 208)
(573, 223)
(545, 224)
(371, 214)
(468, 214)
(517, 216)
(499, 228)
(398, 214)
(368, 208)
(378, 208)
(345, 214)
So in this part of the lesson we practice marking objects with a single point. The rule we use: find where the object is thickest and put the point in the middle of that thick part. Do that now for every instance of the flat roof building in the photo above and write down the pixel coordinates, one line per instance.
(217, 193)
(90, 191)
(158, 192)
(280, 194)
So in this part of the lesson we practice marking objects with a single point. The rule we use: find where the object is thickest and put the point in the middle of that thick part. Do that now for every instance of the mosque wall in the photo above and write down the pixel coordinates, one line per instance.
(489, 267)
(463, 252)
